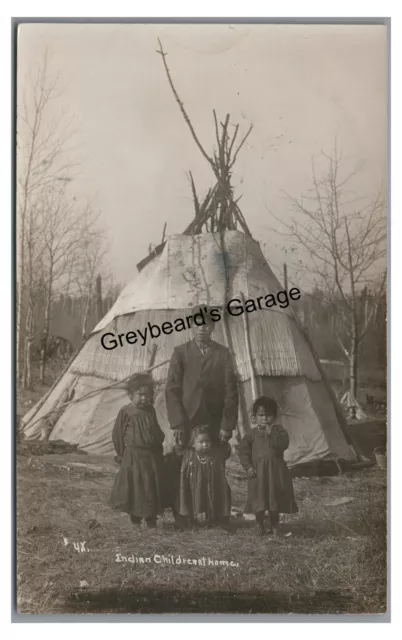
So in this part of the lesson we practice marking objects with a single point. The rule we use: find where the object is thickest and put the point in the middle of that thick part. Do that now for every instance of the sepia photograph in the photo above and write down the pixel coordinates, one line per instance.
(201, 278)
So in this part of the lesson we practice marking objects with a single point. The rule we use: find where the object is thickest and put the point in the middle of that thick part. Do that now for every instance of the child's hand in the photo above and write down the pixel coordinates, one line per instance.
(226, 449)
(250, 472)
(179, 450)
(180, 438)
(118, 459)
(225, 436)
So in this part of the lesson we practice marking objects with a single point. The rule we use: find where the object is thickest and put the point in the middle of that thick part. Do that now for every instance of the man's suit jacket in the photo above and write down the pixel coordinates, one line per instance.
(207, 382)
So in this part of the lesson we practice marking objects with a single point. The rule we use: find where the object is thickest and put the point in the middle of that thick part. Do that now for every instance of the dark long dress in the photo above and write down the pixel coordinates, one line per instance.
(272, 488)
(138, 440)
(203, 484)
(171, 481)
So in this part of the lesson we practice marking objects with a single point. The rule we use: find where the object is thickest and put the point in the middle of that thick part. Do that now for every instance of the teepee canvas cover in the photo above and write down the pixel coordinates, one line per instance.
(208, 269)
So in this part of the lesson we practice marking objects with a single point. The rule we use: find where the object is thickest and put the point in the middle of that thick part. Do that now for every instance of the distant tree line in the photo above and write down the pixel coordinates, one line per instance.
(324, 326)
(73, 317)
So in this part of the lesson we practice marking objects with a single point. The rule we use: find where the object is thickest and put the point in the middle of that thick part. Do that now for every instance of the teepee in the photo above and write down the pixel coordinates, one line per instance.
(206, 269)
(213, 261)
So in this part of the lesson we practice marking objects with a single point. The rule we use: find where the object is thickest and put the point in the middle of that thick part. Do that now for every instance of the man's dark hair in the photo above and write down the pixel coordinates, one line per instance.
(269, 404)
(205, 311)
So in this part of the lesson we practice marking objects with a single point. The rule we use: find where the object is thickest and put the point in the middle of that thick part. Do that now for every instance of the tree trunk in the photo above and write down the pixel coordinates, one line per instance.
(45, 335)
(86, 314)
(353, 362)
(27, 375)
(20, 299)
(99, 298)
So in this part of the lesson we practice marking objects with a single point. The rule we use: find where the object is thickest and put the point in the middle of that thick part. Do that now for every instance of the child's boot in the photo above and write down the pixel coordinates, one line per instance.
(181, 523)
(224, 523)
(151, 522)
(259, 517)
(135, 520)
(274, 517)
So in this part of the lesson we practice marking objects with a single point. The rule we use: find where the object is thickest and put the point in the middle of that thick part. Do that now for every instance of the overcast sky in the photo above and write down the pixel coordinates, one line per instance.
(299, 86)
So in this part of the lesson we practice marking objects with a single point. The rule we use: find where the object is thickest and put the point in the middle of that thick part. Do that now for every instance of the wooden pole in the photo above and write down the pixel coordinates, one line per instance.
(152, 355)
(285, 275)
(163, 233)
(350, 439)
(95, 391)
(253, 378)
(241, 427)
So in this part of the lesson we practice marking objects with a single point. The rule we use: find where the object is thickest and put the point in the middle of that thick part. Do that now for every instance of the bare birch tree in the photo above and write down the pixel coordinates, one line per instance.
(93, 249)
(65, 230)
(346, 246)
(41, 161)
(33, 285)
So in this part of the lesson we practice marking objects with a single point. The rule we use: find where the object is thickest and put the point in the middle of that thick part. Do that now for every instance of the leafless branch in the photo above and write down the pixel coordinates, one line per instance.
(181, 106)
(240, 146)
(345, 243)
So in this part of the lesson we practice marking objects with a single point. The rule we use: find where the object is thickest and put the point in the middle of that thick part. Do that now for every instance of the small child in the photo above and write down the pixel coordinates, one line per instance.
(138, 439)
(203, 485)
(270, 485)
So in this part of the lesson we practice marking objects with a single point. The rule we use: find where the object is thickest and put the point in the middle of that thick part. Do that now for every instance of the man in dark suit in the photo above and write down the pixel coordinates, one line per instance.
(201, 386)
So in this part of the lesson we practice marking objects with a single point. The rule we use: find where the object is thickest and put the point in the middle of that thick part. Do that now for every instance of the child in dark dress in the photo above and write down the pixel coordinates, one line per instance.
(138, 439)
(204, 489)
(270, 485)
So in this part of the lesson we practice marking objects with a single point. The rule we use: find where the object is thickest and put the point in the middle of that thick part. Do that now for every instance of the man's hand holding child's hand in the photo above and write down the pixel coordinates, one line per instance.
(250, 472)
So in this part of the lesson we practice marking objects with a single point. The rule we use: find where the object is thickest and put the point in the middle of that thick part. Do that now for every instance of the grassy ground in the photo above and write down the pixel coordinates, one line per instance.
(333, 561)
